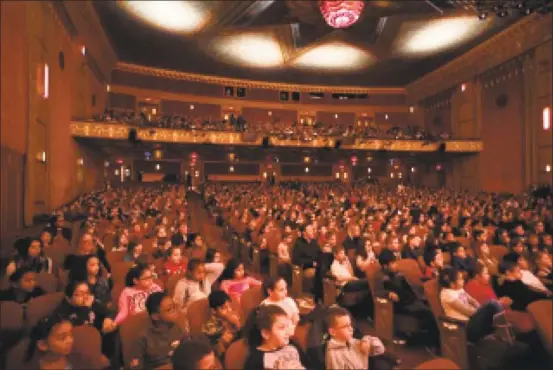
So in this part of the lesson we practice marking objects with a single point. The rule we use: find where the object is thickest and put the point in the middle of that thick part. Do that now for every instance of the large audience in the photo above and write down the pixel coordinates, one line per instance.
(304, 130)
(121, 265)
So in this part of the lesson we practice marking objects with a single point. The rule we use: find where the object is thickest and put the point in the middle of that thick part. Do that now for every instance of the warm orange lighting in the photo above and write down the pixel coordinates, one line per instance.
(463, 87)
(335, 116)
(108, 88)
(43, 81)
(270, 113)
(192, 107)
(546, 118)
(548, 168)
(411, 109)
(83, 50)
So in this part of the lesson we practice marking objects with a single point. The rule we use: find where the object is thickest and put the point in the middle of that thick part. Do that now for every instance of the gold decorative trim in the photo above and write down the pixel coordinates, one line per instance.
(228, 81)
(121, 132)
(519, 38)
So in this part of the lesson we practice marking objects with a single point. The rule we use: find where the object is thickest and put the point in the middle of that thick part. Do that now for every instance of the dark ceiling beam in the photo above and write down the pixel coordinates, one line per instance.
(225, 15)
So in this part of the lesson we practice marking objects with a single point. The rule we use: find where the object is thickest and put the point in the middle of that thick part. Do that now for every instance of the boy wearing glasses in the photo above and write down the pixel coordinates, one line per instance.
(154, 347)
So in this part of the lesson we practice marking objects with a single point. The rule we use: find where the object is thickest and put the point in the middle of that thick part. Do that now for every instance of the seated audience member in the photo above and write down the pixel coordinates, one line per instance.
(269, 341)
(463, 262)
(174, 262)
(51, 344)
(413, 250)
(157, 342)
(194, 355)
(276, 291)
(23, 287)
(459, 305)
(528, 276)
(197, 249)
(487, 259)
(234, 280)
(139, 285)
(31, 256)
(365, 258)
(511, 286)
(121, 241)
(214, 265)
(393, 246)
(193, 286)
(91, 271)
(180, 238)
(306, 251)
(343, 351)
(87, 246)
(546, 243)
(134, 250)
(392, 285)
(148, 261)
(434, 261)
(353, 243)
(57, 228)
(545, 269)
(480, 289)
(223, 325)
(283, 250)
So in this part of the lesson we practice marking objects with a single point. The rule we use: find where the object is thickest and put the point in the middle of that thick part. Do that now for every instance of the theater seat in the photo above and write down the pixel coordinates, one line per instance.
(130, 329)
(115, 257)
(198, 314)
(251, 298)
(119, 271)
(48, 282)
(236, 355)
(88, 343)
(11, 317)
(438, 364)
(542, 314)
(41, 307)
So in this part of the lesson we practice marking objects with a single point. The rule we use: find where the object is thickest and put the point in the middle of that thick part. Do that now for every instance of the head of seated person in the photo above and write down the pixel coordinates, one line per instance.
(23, 286)
(194, 355)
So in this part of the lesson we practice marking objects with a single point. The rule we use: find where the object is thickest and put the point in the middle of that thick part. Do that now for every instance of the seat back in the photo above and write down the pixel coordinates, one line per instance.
(16, 356)
(119, 271)
(542, 313)
(198, 313)
(171, 283)
(236, 355)
(439, 363)
(11, 317)
(88, 344)
(114, 257)
(48, 282)
(130, 330)
(251, 298)
(410, 268)
(498, 251)
(300, 335)
(41, 307)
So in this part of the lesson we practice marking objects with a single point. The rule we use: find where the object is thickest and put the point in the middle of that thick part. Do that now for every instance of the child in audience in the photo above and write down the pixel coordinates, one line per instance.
(23, 287)
(234, 280)
(92, 272)
(147, 260)
(487, 259)
(214, 265)
(194, 355)
(134, 250)
(192, 287)
(434, 260)
(53, 338)
(174, 262)
(512, 286)
(463, 262)
(459, 305)
(158, 340)
(31, 256)
(269, 341)
(366, 257)
(223, 325)
(343, 351)
(544, 267)
(528, 276)
(276, 291)
(139, 285)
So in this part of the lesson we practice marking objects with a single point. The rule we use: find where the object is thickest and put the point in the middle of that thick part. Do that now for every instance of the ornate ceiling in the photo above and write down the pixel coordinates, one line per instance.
(392, 44)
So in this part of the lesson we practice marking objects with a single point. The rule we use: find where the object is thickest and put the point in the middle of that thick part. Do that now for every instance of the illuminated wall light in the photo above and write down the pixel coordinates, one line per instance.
(548, 168)
(270, 113)
(80, 161)
(46, 82)
(399, 175)
(231, 168)
(41, 157)
(307, 159)
(127, 172)
(306, 169)
(192, 107)
(83, 50)
(345, 175)
(106, 164)
(108, 87)
(335, 116)
(158, 167)
(386, 116)
(154, 111)
(411, 109)
(197, 174)
(463, 87)
(337, 175)
(116, 172)
(392, 175)
(369, 170)
(226, 117)
(546, 118)
(413, 169)
(264, 175)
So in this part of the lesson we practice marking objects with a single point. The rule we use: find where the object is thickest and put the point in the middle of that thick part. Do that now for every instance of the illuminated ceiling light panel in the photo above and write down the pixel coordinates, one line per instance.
(252, 50)
(440, 34)
(175, 16)
(334, 56)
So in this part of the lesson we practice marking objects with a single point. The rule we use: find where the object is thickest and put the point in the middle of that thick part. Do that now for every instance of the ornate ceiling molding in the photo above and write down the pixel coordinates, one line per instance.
(228, 81)
(526, 34)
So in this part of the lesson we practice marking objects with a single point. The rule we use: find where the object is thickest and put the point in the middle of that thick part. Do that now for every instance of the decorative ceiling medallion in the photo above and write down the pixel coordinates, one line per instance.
(341, 14)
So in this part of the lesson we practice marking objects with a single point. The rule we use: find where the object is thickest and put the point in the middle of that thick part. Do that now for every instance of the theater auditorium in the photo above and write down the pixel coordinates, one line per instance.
(276, 184)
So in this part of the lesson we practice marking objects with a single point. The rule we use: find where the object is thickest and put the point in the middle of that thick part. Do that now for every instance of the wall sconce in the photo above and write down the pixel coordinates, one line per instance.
(226, 117)
(154, 111)
(345, 175)
(44, 88)
(192, 107)
(158, 167)
(411, 109)
(306, 169)
(158, 154)
(108, 87)
(392, 175)
(307, 159)
(41, 157)
(463, 87)
(548, 168)
(546, 118)
(336, 116)
(270, 113)
(116, 172)
(264, 175)
(80, 161)
(369, 170)
(127, 172)
(83, 50)
(412, 169)
(399, 175)
(337, 175)
(106, 164)
(231, 168)
(386, 116)
(197, 174)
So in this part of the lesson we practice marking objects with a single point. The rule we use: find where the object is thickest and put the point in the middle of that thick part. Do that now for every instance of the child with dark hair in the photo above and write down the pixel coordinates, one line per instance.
(23, 287)
(192, 287)
(214, 265)
(463, 262)
(174, 261)
(269, 341)
(276, 291)
(434, 261)
(194, 355)
(134, 250)
(29, 255)
(157, 342)
(139, 285)
(223, 325)
(91, 270)
(51, 344)
(234, 280)
(511, 285)
(459, 305)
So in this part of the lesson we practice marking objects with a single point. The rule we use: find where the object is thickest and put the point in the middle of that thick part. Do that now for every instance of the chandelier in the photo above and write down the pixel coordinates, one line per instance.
(341, 14)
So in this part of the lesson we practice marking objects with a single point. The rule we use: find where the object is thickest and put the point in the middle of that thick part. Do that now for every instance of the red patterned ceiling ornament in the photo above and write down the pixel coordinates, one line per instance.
(341, 14)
